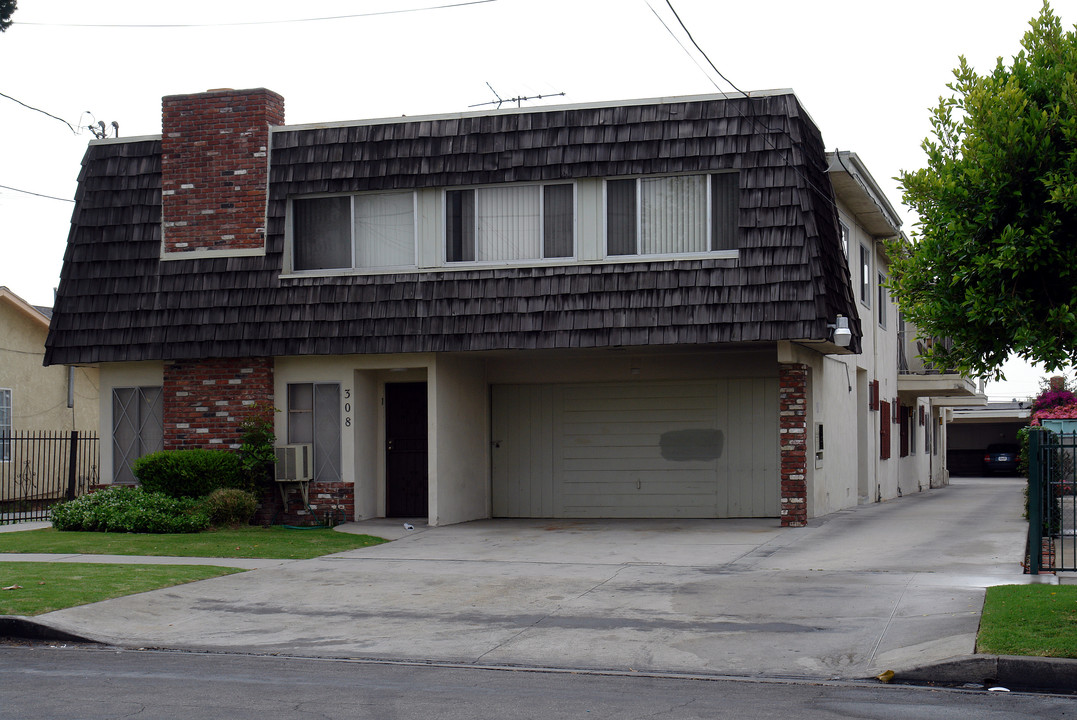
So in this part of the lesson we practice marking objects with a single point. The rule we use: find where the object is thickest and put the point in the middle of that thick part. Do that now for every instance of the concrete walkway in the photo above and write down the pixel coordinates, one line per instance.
(895, 585)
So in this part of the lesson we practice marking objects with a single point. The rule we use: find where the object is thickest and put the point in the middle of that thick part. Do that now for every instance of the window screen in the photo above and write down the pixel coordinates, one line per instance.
(672, 215)
(321, 233)
(510, 222)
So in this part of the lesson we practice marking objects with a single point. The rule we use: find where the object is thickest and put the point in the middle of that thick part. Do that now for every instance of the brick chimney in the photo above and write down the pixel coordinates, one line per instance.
(215, 170)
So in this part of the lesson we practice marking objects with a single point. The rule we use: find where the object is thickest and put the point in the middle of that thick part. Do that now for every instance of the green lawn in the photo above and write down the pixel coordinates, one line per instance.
(245, 542)
(32, 588)
(1029, 620)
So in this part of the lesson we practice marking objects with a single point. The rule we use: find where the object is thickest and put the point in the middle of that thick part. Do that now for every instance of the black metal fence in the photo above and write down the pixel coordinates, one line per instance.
(40, 468)
(1052, 504)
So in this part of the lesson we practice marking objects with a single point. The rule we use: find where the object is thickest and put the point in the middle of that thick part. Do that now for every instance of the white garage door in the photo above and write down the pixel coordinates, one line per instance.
(637, 450)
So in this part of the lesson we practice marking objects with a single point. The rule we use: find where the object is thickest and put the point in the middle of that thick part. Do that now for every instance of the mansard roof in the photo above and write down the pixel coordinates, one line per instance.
(119, 301)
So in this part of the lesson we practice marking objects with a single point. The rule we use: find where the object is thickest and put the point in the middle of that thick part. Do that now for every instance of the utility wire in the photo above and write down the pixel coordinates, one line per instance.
(31, 107)
(760, 129)
(48, 197)
(260, 22)
(705, 57)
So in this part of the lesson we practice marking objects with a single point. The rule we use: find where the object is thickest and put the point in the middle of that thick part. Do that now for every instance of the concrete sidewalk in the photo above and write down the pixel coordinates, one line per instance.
(896, 586)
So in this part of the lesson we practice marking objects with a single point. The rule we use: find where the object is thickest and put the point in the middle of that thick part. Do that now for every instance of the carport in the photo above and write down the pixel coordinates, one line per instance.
(972, 429)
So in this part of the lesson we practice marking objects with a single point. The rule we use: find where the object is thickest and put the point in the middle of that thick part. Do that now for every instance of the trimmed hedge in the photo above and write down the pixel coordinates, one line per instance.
(189, 473)
(130, 509)
(230, 506)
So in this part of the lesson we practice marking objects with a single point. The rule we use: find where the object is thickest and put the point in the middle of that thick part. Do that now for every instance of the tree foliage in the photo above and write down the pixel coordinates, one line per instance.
(993, 265)
(7, 9)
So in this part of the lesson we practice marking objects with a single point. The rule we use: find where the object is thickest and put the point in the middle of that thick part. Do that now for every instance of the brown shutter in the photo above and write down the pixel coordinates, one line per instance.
(884, 430)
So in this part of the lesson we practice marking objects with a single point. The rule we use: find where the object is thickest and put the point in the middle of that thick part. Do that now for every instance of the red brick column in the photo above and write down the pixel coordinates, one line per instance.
(206, 401)
(793, 422)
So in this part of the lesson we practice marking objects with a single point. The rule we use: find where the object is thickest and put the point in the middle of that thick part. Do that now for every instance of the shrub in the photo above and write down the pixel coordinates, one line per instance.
(230, 506)
(188, 473)
(130, 509)
(256, 451)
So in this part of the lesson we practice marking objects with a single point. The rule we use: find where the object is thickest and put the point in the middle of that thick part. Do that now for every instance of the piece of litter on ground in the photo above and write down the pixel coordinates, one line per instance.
(885, 676)
(12, 587)
(998, 689)
(409, 526)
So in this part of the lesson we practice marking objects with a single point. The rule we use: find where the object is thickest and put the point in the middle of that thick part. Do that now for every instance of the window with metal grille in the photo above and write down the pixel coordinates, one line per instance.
(137, 428)
(314, 419)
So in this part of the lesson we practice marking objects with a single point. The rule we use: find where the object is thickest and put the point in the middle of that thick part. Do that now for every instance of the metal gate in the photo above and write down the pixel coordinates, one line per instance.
(40, 468)
(1052, 510)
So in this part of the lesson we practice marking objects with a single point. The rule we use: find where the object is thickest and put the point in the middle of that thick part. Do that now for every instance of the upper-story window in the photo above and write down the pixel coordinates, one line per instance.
(375, 230)
(865, 275)
(510, 222)
(672, 215)
(882, 300)
(844, 238)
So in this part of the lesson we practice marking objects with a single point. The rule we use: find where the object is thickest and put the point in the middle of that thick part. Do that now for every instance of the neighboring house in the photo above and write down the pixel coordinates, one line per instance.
(34, 397)
(605, 310)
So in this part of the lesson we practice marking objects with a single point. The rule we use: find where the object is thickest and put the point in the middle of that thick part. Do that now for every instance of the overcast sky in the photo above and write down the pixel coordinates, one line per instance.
(866, 71)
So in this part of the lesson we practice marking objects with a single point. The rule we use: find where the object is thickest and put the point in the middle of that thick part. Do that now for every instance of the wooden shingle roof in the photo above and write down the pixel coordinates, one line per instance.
(118, 301)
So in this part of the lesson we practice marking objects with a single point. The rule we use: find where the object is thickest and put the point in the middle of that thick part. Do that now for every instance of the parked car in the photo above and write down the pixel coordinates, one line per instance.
(1001, 458)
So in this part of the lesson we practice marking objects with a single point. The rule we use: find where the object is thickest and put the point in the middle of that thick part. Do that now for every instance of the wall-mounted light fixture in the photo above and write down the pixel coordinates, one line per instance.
(842, 334)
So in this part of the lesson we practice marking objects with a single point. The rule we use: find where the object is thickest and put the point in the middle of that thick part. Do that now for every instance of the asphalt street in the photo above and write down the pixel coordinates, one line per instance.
(96, 684)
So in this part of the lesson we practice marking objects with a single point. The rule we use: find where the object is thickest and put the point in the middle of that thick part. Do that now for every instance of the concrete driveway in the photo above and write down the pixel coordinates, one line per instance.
(887, 586)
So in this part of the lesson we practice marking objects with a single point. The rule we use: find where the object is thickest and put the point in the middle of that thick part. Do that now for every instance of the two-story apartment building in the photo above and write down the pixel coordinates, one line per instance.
(902, 405)
(636, 309)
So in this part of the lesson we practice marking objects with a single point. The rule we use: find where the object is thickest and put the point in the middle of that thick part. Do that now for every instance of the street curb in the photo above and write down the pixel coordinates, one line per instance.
(23, 628)
(1014, 672)
(1010, 671)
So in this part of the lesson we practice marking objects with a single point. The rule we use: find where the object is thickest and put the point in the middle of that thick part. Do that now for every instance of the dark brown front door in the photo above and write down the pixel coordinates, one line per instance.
(405, 452)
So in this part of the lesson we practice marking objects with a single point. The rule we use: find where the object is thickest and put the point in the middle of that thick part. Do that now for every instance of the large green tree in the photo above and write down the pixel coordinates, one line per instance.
(993, 262)
(7, 8)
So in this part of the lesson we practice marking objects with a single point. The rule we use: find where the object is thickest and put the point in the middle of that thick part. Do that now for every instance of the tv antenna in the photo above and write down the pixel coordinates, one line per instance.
(98, 127)
(519, 99)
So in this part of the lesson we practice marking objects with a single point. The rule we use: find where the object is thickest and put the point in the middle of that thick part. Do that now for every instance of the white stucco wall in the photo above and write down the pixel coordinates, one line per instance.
(460, 447)
(834, 406)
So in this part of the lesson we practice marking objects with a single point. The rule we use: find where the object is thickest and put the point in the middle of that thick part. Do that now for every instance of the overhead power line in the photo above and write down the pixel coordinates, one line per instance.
(27, 192)
(705, 57)
(257, 22)
(756, 127)
(31, 107)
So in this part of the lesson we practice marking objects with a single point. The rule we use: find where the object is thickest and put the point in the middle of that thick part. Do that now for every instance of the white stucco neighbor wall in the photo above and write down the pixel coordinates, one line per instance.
(39, 395)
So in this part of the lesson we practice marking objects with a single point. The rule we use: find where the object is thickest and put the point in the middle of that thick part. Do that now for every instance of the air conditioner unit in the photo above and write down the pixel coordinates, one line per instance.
(294, 463)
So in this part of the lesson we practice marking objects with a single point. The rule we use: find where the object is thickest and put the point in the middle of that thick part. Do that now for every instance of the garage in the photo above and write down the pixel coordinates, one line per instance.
(699, 449)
